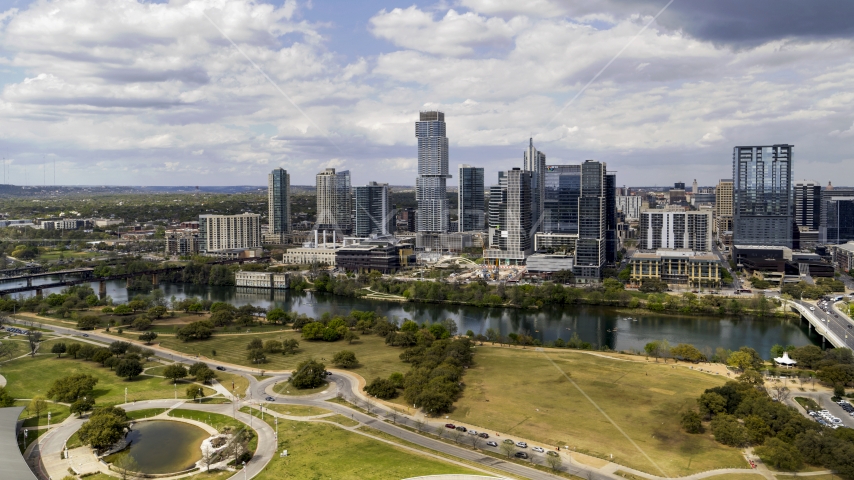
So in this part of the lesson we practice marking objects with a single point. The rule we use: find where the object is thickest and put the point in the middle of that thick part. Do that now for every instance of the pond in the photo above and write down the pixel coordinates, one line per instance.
(163, 446)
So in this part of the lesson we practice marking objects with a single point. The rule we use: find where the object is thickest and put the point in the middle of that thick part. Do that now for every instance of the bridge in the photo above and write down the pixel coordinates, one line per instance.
(838, 332)
(86, 277)
(85, 272)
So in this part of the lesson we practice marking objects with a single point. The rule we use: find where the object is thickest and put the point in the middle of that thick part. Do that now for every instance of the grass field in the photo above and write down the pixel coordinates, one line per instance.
(375, 357)
(215, 420)
(145, 413)
(529, 397)
(58, 413)
(319, 451)
(285, 388)
(297, 410)
(27, 377)
(749, 476)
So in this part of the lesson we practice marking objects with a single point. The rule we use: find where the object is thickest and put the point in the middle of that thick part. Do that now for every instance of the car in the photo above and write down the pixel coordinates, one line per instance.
(220, 368)
(450, 425)
(812, 308)
(552, 453)
(270, 399)
(483, 435)
(521, 444)
(492, 444)
(538, 449)
(509, 442)
(328, 373)
(461, 428)
(472, 432)
(85, 334)
(521, 455)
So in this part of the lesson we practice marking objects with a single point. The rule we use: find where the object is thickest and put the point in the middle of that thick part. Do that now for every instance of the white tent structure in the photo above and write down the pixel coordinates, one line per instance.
(785, 361)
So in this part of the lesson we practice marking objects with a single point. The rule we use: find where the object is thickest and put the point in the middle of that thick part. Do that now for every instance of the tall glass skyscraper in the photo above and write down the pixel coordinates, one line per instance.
(470, 199)
(279, 201)
(431, 191)
(590, 253)
(373, 210)
(535, 162)
(562, 189)
(762, 195)
(334, 201)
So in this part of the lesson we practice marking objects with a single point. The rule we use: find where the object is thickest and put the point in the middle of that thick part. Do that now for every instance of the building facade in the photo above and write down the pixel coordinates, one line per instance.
(560, 202)
(382, 255)
(611, 241)
(843, 256)
(182, 242)
(534, 161)
(835, 222)
(510, 229)
(470, 200)
(334, 201)
(267, 280)
(723, 207)
(807, 204)
(690, 230)
(592, 222)
(279, 202)
(630, 206)
(374, 215)
(324, 255)
(676, 268)
(226, 232)
(762, 195)
(431, 190)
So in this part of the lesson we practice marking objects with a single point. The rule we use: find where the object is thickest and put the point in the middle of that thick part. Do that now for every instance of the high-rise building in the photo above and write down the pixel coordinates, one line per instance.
(762, 195)
(470, 199)
(510, 238)
(592, 222)
(279, 202)
(535, 162)
(224, 232)
(611, 218)
(630, 206)
(807, 204)
(659, 229)
(840, 220)
(431, 191)
(562, 189)
(334, 201)
(373, 210)
(723, 206)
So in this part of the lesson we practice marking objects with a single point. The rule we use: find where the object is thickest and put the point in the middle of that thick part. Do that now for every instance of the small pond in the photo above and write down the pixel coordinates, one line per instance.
(163, 446)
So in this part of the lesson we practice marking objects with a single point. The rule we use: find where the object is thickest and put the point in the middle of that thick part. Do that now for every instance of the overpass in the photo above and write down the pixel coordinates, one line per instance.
(85, 272)
(831, 330)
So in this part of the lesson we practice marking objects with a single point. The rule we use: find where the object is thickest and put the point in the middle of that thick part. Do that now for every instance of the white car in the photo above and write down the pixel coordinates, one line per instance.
(521, 444)
(538, 449)
(472, 432)
(812, 308)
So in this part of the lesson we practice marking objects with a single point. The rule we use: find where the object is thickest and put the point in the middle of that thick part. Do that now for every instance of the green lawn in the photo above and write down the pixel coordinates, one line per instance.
(215, 420)
(319, 451)
(58, 413)
(297, 410)
(27, 377)
(375, 357)
(145, 413)
(527, 396)
(285, 388)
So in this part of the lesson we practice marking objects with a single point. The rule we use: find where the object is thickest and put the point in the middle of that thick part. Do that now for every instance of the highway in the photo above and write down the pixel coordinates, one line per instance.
(839, 325)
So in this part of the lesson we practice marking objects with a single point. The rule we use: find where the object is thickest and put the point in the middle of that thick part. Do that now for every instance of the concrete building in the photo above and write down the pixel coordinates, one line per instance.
(723, 207)
(431, 190)
(592, 223)
(470, 200)
(560, 202)
(676, 268)
(324, 255)
(107, 222)
(374, 215)
(555, 242)
(843, 256)
(762, 195)
(534, 161)
(267, 280)
(225, 232)
(334, 201)
(182, 242)
(279, 203)
(510, 229)
(766, 258)
(630, 206)
(690, 230)
(385, 255)
(807, 207)
(549, 263)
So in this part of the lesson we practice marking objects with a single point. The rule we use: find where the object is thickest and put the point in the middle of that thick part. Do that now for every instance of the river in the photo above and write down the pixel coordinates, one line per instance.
(601, 326)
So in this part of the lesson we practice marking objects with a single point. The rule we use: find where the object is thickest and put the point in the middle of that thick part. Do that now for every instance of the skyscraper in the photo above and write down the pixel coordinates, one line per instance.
(762, 195)
(560, 203)
(431, 191)
(373, 210)
(510, 217)
(334, 201)
(723, 206)
(834, 221)
(279, 202)
(611, 218)
(807, 204)
(592, 222)
(535, 162)
(223, 232)
(470, 199)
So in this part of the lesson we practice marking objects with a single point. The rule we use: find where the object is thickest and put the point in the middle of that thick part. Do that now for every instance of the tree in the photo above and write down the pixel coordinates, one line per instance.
(127, 468)
(58, 349)
(563, 277)
(751, 377)
(687, 352)
(158, 311)
(345, 359)
(381, 388)
(350, 336)
(200, 330)
(256, 356)
(255, 344)
(37, 405)
(105, 427)
(451, 326)
(474, 440)
(205, 376)
(8, 349)
(148, 337)
(729, 431)
(653, 349)
(194, 391)
(128, 368)
(73, 349)
(711, 404)
(82, 405)
(88, 322)
(508, 448)
(141, 323)
(554, 462)
(745, 358)
(272, 346)
(290, 346)
(308, 374)
(119, 348)
(197, 367)
(6, 400)
(72, 387)
(277, 315)
(691, 422)
(492, 335)
(122, 310)
(33, 338)
(780, 455)
(175, 372)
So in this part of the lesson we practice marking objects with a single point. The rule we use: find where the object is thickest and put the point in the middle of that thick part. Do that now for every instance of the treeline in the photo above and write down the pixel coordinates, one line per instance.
(822, 287)
(610, 293)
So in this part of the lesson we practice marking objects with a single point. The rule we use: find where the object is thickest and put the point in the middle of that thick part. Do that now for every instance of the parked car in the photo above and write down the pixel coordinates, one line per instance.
(483, 435)
(538, 449)
(450, 425)
(472, 432)
(220, 368)
(461, 428)
(552, 453)
(492, 444)
(508, 441)
(521, 444)
(521, 455)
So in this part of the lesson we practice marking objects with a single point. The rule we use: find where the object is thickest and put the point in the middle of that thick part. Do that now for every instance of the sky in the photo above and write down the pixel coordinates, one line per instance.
(220, 92)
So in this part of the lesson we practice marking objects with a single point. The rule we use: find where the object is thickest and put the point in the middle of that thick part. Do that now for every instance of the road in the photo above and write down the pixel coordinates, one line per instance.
(840, 325)
(348, 386)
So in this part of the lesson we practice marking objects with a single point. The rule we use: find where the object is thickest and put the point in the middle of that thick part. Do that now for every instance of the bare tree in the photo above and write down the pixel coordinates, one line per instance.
(779, 393)
(127, 468)
(393, 414)
(554, 462)
(419, 424)
(34, 338)
(508, 449)
(474, 440)
(209, 456)
(458, 435)
(369, 405)
(440, 431)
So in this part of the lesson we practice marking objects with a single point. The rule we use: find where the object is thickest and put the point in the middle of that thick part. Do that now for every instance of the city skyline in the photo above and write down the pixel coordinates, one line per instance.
(660, 99)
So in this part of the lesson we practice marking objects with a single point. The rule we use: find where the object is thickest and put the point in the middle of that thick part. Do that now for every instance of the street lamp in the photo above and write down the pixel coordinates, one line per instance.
(244, 470)
(126, 394)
